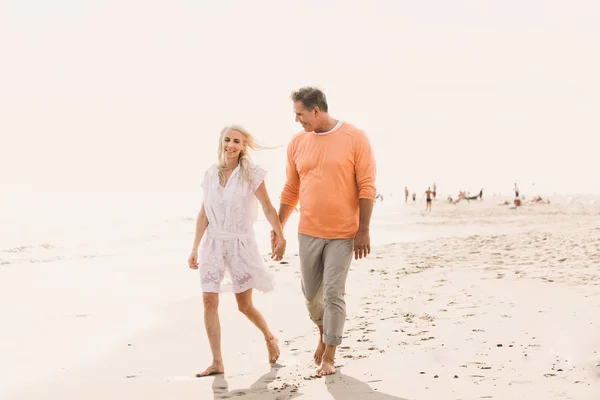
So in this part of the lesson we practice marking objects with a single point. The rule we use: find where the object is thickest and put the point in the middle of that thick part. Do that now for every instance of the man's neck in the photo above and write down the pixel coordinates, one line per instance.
(327, 125)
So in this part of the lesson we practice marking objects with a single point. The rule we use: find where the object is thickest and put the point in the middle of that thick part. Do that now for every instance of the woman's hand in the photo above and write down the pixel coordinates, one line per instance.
(279, 249)
(273, 240)
(193, 260)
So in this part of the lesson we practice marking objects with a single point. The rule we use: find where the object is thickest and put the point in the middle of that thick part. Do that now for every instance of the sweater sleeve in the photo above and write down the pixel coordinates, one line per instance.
(291, 191)
(365, 167)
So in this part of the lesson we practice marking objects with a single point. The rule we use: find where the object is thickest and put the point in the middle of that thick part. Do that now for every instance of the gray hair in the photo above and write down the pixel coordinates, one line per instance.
(310, 97)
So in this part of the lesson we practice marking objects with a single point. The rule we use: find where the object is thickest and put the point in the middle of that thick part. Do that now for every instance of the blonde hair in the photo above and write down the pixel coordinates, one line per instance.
(244, 157)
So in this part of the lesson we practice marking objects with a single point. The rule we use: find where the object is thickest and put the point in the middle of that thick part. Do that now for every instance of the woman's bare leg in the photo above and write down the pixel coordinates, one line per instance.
(246, 307)
(213, 331)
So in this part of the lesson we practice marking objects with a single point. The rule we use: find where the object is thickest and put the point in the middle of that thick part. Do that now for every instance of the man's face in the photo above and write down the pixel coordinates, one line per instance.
(306, 118)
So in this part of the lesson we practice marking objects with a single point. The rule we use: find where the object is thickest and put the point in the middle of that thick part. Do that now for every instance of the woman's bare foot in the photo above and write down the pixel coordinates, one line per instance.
(319, 352)
(215, 368)
(327, 368)
(273, 348)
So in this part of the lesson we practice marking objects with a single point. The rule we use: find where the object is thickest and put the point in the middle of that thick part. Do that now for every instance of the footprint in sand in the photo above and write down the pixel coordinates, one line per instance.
(417, 334)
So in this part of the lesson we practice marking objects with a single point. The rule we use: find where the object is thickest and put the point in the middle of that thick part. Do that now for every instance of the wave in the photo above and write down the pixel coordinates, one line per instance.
(23, 249)
(41, 260)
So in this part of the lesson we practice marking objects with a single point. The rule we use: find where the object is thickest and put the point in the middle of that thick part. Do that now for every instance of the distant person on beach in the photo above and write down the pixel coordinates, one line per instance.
(414, 197)
(331, 172)
(434, 193)
(461, 196)
(428, 199)
(230, 260)
(538, 200)
(516, 190)
(405, 194)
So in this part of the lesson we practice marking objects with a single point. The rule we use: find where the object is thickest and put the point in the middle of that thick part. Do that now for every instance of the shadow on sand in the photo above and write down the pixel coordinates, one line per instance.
(258, 390)
(344, 387)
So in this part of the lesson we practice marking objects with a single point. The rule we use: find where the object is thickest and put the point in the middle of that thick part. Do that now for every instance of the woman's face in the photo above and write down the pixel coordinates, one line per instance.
(233, 143)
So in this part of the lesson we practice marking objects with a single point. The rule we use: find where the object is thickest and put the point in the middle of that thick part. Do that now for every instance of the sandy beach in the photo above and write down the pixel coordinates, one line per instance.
(480, 302)
(114, 114)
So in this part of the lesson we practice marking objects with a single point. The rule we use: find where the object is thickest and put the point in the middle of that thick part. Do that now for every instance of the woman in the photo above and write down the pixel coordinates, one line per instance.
(229, 258)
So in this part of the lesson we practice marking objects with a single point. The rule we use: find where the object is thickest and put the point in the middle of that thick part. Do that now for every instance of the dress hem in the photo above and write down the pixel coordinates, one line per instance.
(229, 288)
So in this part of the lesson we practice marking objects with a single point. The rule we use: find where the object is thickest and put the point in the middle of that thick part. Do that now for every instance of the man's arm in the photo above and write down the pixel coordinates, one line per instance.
(366, 209)
(285, 211)
(365, 170)
(290, 194)
(291, 190)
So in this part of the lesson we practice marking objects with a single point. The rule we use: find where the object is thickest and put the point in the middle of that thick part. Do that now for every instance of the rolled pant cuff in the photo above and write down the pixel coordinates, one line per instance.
(332, 340)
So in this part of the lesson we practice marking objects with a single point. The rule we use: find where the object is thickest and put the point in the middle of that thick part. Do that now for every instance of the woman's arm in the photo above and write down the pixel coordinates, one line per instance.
(201, 225)
(269, 210)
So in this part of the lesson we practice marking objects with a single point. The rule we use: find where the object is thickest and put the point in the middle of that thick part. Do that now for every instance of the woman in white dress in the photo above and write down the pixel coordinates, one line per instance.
(230, 260)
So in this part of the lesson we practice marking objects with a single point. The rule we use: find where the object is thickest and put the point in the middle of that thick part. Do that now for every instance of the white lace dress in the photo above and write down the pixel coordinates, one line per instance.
(230, 260)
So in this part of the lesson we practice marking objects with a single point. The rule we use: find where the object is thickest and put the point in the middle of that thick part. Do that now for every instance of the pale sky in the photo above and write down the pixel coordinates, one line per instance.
(132, 94)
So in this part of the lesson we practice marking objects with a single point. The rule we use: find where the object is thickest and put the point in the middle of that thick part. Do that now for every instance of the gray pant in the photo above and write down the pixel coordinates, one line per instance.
(324, 264)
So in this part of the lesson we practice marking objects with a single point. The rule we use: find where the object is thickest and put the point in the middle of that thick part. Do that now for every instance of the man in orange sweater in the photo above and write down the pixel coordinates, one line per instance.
(331, 172)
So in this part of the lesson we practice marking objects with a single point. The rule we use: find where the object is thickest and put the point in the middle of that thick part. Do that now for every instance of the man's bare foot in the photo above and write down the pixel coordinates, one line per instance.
(273, 348)
(319, 352)
(327, 368)
(216, 368)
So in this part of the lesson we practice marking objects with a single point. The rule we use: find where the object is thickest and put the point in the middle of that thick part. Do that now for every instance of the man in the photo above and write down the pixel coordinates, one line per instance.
(428, 199)
(331, 172)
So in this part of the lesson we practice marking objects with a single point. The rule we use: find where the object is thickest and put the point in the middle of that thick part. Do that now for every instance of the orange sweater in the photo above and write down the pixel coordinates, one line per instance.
(328, 173)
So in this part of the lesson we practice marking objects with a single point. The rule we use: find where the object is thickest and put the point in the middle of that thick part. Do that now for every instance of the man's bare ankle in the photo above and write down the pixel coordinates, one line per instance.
(328, 360)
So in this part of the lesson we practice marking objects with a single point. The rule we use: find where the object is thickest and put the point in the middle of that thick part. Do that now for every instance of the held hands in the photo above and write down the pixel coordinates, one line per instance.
(278, 245)
(362, 244)
(273, 241)
(193, 260)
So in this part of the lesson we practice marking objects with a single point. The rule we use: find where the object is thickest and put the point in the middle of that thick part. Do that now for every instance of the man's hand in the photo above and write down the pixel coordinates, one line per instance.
(279, 250)
(362, 244)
